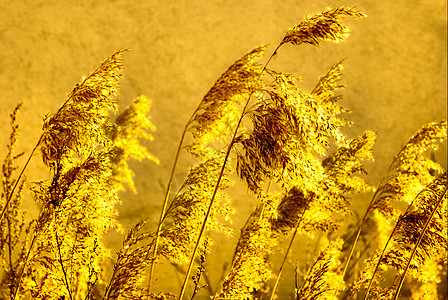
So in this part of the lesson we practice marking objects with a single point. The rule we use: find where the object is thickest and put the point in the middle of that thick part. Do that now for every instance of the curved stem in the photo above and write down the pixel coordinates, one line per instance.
(283, 264)
(62, 266)
(11, 194)
(165, 204)
(204, 222)
(358, 233)
(23, 268)
(10, 250)
(279, 273)
(390, 237)
(107, 291)
(229, 148)
(364, 219)
(422, 234)
(377, 266)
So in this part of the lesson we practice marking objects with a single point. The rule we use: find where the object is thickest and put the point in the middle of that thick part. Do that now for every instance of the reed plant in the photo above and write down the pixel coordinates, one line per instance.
(289, 150)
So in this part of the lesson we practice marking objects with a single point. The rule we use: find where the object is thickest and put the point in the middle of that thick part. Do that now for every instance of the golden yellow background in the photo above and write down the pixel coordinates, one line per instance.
(395, 72)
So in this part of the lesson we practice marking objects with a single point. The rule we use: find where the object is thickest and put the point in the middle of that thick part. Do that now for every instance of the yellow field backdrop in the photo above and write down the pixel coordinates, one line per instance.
(395, 72)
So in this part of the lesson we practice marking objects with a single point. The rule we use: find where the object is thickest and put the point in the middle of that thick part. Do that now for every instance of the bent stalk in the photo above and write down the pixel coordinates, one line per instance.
(165, 204)
(31, 155)
(390, 237)
(11, 194)
(229, 148)
(285, 257)
(422, 234)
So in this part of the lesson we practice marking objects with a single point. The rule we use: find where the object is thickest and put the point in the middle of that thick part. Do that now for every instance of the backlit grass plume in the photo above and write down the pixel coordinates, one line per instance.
(291, 126)
(325, 26)
(323, 278)
(411, 170)
(62, 253)
(256, 242)
(290, 149)
(408, 174)
(218, 112)
(213, 120)
(188, 207)
(130, 127)
(419, 236)
(79, 125)
(78, 205)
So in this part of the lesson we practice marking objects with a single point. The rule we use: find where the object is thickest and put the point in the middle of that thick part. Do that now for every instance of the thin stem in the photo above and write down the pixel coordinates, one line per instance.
(296, 282)
(395, 279)
(377, 265)
(165, 204)
(107, 292)
(197, 286)
(72, 254)
(229, 148)
(422, 234)
(388, 240)
(10, 250)
(31, 155)
(11, 194)
(162, 213)
(206, 278)
(361, 225)
(286, 256)
(204, 222)
(358, 233)
(23, 268)
(89, 291)
(62, 266)
(92, 273)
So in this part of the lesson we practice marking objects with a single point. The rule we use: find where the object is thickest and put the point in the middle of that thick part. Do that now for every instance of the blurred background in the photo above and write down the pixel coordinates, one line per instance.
(395, 72)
